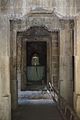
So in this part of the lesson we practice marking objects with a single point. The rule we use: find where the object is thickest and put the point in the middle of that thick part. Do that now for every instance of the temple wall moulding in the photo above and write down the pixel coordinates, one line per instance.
(49, 20)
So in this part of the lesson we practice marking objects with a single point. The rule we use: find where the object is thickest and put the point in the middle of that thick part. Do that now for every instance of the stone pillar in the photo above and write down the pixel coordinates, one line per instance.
(5, 96)
(55, 59)
(13, 67)
(65, 70)
(19, 61)
(49, 67)
(23, 67)
(77, 66)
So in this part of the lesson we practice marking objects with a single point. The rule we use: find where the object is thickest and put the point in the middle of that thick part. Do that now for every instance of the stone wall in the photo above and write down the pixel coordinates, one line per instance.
(77, 66)
(55, 59)
(38, 17)
(53, 23)
(77, 6)
(22, 7)
(13, 67)
(65, 71)
(5, 96)
(19, 61)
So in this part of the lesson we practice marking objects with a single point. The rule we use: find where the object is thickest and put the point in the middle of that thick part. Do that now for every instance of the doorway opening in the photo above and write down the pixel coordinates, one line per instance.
(36, 63)
(34, 51)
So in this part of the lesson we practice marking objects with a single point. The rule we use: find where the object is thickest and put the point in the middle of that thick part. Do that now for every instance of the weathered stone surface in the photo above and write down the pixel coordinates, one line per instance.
(77, 65)
(22, 7)
(5, 97)
(65, 71)
(53, 23)
(25, 14)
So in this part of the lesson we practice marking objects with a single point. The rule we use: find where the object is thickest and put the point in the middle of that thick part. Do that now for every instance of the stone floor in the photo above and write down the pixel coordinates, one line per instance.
(25, 96)
(33, 108)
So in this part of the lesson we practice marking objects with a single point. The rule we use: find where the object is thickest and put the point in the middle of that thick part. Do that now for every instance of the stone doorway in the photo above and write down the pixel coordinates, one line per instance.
(36, 70)
(34, 40)
(21, 33)
(46, 45)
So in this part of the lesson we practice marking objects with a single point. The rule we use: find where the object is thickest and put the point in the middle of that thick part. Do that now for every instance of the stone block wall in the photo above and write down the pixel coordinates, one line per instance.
(5, 96)
(12, 9)
(65, 71)
(21, 7)
(64, 53)
(55, 59)
(77, 65)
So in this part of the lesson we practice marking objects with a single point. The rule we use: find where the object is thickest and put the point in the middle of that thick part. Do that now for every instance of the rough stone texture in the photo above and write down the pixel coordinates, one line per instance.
(21, 7)
(5, 97)
(66, 82)
(23, 66)
(52, 22)
(55, 59)
(19, 61)
(77, 6)
(13, 75)
(77, 65)
(27, 13)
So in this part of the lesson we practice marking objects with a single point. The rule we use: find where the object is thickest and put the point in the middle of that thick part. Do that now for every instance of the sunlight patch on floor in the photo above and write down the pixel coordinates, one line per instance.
(34, 97)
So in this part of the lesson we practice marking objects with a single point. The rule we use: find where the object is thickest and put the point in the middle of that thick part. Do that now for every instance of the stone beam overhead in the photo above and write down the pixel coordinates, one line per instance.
(37, 20)
(43, 18)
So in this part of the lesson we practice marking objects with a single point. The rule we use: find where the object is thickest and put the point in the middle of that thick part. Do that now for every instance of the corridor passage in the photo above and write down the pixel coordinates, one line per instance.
(36, 109)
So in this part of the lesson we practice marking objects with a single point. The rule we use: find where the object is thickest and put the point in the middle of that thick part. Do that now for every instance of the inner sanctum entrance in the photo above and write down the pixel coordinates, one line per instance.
(36, 63)
(37, 58)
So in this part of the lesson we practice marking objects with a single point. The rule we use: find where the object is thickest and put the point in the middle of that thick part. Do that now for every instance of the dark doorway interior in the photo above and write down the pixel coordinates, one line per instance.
(36, 70)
